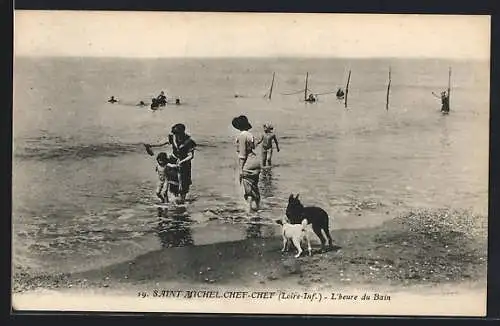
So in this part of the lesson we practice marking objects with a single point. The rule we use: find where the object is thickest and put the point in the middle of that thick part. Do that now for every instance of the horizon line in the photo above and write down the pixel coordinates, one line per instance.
(248, 57)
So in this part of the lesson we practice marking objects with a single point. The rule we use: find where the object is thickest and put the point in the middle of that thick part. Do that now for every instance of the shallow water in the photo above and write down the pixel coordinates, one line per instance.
(83, 184)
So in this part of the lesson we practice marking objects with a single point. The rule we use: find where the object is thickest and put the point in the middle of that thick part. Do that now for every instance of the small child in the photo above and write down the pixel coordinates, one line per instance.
(168, 175)
(267, 144)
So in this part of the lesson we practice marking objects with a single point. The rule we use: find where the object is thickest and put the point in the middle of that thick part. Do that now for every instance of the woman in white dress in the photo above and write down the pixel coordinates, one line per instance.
(248, 162)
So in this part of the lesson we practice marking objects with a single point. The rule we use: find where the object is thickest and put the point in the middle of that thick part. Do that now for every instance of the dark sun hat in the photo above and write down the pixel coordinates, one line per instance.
(178, 128)
(241, 123)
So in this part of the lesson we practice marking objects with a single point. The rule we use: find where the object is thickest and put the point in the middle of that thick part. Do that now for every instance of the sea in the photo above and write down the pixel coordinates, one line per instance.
(83, 185)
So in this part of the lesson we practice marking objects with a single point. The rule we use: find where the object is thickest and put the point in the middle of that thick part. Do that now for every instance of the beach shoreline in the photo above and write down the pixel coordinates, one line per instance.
(424, 253)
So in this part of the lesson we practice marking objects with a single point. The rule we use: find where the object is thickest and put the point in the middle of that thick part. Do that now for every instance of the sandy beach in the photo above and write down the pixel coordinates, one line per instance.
(424, 254)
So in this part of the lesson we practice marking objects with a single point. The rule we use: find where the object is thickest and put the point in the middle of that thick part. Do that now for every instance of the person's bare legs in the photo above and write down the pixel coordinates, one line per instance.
(159, 190)
(249, 204)
(165, 193)
(269, 157)
(264, 157)
(257, 204)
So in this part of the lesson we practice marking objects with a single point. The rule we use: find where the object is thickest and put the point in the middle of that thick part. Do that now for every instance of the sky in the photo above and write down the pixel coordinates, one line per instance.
(176, 34)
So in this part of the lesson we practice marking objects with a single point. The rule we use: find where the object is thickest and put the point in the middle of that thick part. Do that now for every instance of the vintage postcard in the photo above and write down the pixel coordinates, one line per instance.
(250, 163)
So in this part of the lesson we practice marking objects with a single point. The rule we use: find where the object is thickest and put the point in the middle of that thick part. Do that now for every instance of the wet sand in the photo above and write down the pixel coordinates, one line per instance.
(423, 253)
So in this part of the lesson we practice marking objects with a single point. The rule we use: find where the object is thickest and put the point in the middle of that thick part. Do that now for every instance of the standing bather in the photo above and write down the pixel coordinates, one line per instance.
(248, 162)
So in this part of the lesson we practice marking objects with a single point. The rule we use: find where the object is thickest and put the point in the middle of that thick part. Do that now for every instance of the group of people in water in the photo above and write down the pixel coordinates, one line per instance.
(156, 102)
(312, 98)
(174, 169)
(445, 99)
(340, 94)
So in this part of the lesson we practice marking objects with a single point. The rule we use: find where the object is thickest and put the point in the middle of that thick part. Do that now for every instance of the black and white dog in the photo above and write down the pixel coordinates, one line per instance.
(316, 216)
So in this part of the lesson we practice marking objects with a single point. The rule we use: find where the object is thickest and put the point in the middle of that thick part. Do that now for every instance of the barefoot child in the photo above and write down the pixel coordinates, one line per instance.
(168, 175)
(267, 144)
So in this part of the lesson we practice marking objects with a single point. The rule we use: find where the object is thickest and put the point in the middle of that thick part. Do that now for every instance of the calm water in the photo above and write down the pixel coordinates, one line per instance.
(83, 185)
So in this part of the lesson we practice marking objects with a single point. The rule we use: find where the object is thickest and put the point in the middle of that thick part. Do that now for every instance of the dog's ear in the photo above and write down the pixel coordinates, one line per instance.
(280, 222)
(297, 197)
(290, 198)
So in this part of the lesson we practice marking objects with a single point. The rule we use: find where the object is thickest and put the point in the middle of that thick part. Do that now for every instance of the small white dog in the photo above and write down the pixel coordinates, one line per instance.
(296, 233)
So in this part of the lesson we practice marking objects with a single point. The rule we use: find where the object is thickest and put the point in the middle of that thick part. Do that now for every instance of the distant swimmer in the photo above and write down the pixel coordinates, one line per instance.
(112, 100)
(177, 101)
(445, 101)
(340, 94)
(311, 98)
(141, 103)
(154, 103)
(162, 99)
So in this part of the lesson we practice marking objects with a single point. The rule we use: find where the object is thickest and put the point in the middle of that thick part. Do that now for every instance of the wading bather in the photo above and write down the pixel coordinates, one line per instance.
(183, 149)
(445, 101)
(248, 163)
(267, 144)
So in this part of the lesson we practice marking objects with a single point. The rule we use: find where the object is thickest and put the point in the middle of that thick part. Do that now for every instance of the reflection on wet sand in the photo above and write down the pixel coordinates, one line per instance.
(254, 229)
(266, 179)
(174, 228)
(260, 228)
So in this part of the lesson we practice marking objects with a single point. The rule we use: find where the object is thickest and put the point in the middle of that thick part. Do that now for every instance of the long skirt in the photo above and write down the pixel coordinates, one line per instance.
(250, 183)
(445, 107)
(185, 178)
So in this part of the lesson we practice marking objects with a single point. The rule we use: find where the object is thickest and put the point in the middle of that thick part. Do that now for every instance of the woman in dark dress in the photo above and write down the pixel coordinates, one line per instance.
(183, 149)
(445, 101)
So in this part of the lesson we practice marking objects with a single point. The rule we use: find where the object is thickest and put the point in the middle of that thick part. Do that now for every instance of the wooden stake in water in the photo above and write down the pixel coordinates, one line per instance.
(347, 89)
(388, 91)
(305, 90)
(449, 86)
(271, 89)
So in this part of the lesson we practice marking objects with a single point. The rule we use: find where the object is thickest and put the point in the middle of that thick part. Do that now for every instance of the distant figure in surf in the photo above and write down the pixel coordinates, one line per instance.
(162, 99)
(267, 140)
(311, 98)
(445, 101)
(340, 94)
(141, 103)
(177, 101)
(154, 104)
(112, 100)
